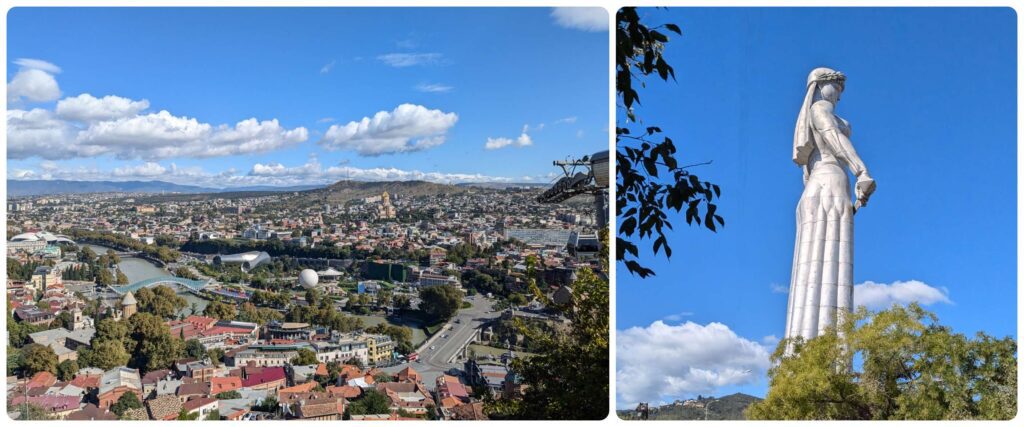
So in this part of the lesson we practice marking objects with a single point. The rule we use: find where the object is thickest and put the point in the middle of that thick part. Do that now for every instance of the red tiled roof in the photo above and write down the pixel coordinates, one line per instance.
(42, 379)
(220, 385)
(198, 402)
(264, 376)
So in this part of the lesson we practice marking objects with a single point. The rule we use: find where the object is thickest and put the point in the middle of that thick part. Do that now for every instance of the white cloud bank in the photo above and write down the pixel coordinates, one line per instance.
(594, 19)
(87, 126)
(878, 296)
(663, 362)
(407, 128)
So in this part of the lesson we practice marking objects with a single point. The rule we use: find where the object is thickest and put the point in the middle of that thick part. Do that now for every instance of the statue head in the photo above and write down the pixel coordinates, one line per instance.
(823, 83)
(829, 83)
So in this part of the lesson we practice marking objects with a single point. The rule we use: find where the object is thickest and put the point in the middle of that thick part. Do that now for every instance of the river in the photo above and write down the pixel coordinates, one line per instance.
(139, 269)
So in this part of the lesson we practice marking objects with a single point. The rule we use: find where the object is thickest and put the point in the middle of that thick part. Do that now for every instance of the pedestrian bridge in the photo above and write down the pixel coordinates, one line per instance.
(194, 285)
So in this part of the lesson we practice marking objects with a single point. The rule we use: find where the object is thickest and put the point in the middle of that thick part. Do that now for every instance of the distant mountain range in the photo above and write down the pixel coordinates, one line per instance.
(729, 407)
(19, 188)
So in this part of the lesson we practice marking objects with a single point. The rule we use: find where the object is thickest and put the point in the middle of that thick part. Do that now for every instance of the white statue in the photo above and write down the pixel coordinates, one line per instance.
(821, 285)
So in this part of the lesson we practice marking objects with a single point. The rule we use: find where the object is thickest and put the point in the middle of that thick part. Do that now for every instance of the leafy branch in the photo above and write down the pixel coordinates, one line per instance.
(650, 182)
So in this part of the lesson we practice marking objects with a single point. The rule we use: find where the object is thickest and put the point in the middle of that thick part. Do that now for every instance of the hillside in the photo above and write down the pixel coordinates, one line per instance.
(343, 191)
(729, 407)
(17, 188)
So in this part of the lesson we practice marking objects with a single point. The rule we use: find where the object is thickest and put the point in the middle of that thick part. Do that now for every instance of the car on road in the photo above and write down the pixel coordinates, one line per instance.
(433, 347)
(458, 320)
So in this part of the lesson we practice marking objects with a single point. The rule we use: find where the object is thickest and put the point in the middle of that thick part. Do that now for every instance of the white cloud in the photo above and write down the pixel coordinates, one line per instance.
(34, 85)
(325, 120)
(148, 169)
(327, 67)
(876, 296)
(675, 317)
(566, 120)
(407, 128)
(433, 87)
(272, 174)
(581, 18)
(37, 64)
(523, 140)
(579, 134)
(400, 60)
(37, 132)
(663, 362)
(779, 289)
(87, 108)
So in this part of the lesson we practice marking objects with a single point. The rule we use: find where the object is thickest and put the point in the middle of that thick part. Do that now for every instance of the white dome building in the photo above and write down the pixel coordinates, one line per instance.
(308, 278)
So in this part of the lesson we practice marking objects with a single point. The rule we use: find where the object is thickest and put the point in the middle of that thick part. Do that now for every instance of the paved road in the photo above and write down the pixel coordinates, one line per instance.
(434, 362)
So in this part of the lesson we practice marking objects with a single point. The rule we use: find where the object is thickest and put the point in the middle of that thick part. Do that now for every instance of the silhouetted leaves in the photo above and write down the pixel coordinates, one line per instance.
(650, 182)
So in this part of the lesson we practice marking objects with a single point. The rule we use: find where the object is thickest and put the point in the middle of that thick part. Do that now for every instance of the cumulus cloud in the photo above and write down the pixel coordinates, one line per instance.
(662, 362)
(87, 108)
(87, 126)
(39, 133)
(523, 140)
(34, 81)
(593, 19)
(779, 289)
(876, 296)
(401, 60)
(407, 128)
(433, 87)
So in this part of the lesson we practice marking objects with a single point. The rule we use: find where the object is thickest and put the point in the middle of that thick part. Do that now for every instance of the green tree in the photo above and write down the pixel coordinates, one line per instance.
(104, 354)
(37, 358)
(910, 368)
(216, 355)
(120, 277)
(13, 360)
(195, 349)
(226, 395)
(402, 302)
(375, 402)
(305, 357)
(650, 181)
(567, 379)
(439, 303)
(67, 369)
(127, 401)
(184, 415)
(161, 301)
(221, 311)
(156, 347)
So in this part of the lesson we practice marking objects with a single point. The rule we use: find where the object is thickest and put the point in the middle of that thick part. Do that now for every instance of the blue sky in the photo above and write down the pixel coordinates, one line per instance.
(931, 96)
(531, 83)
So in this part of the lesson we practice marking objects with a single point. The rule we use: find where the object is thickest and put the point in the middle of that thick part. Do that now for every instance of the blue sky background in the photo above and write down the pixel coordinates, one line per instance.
(931, 96)
(504, 67)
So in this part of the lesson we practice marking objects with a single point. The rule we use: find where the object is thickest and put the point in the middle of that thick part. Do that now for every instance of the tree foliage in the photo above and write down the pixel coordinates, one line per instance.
(37, 358)
(155, 346)
(305, 357)
(896, 364)
(372, 402)
(127, 401)
(104, 354)
(160, 301)
(220, 310)
(567, 379)
(440, 303)
(650, 180)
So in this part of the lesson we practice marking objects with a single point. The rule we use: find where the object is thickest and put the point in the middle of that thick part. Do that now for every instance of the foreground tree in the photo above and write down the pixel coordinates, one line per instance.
(372, 402)
(905, 366)
(567, 379)
(155, 347)
(650, 180)
(222, 311)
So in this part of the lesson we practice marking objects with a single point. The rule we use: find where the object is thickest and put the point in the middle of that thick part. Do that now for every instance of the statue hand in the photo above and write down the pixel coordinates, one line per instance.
(864, 188)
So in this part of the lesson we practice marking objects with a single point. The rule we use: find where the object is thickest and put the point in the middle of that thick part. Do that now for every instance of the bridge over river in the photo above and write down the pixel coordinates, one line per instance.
(194, 285)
